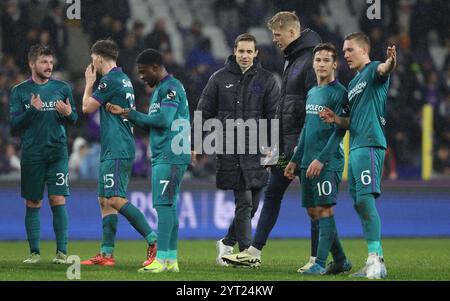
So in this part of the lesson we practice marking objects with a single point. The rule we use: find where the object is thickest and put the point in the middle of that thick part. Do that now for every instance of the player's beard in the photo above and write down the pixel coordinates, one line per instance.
(43, 75)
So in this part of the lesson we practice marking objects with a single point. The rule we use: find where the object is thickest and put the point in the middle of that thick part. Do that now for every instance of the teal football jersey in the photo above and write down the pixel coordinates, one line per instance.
(316, 132)
(116, 133)
(367, 108)
(43, 133)
(168, 105)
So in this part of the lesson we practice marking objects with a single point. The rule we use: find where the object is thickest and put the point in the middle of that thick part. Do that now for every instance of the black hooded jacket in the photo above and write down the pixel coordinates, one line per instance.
(298, 78)
(230, 94)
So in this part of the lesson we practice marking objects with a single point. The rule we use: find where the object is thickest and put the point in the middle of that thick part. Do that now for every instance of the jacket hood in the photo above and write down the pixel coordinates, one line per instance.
(308, 39)
(232, 66)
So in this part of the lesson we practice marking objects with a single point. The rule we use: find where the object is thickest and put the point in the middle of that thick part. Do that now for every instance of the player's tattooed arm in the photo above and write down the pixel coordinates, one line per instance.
(328, 116)
(387, 67)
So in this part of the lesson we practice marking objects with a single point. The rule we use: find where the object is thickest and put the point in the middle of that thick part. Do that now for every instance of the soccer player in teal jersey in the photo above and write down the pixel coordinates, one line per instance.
(117, 150)
(169, 126)
(40, 109)
(321, 161)
(367, 108)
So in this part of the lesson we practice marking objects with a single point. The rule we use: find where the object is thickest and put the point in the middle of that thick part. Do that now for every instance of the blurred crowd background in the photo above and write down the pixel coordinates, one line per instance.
(196, 36)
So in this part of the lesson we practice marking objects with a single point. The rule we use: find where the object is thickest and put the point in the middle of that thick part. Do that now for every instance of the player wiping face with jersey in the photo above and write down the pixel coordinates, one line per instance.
(117, 150)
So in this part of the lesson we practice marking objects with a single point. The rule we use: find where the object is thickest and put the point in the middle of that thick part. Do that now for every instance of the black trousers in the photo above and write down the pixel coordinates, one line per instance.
(240, 230)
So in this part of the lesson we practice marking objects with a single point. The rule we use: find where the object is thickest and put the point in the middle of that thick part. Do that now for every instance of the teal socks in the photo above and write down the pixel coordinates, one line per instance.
(60, 226)
(33, 227)
(167, 233)
(109, 225)
(336, 249)
(138, 221)
(314, 237)
(374, 247)
(327, 233)
(151, 238)
(173, 242)
(329, 241)
(371, 223)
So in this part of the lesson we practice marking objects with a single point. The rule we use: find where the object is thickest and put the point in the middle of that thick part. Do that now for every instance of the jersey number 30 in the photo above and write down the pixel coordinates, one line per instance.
(63, 179)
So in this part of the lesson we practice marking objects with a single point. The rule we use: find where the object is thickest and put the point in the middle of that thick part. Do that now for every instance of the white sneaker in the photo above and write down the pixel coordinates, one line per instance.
(33, 258)
(244, 258)
(374, 269)
(222, 250)
(60, 258)
(308, 265)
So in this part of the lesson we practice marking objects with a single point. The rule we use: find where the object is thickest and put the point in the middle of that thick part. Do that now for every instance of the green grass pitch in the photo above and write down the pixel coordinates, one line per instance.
(406, 259)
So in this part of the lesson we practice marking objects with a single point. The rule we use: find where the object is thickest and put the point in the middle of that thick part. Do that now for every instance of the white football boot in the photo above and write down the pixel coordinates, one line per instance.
(222, 250)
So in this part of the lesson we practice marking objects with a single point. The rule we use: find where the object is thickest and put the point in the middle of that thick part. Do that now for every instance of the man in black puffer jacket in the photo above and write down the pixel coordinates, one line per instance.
(298, 78)
(241, 90)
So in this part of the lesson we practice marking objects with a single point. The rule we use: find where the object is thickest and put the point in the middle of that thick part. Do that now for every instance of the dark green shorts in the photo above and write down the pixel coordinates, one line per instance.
(320, 191)
(34, 177)
(166, 182)
(365, 167)
(114, 177)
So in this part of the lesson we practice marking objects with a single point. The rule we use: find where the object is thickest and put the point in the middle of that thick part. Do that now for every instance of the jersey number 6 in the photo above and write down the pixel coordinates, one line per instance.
(365, 177)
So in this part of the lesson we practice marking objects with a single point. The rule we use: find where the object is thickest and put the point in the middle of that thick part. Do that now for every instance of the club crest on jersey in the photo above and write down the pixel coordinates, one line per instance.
(346, 109)
(171, 94)
(102, 86)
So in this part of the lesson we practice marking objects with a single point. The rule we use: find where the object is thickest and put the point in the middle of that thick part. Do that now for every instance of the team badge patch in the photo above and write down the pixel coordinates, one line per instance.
(346, 109)
(171, 94)
(102, 86)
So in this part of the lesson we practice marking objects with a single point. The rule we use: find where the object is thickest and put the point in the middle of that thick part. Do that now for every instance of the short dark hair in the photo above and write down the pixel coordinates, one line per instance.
(360, 37)
(150, 57)
(245, 37)
(38, 50)
(106, 48)
(327, 47)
